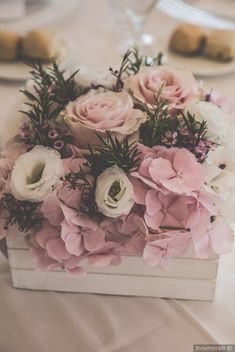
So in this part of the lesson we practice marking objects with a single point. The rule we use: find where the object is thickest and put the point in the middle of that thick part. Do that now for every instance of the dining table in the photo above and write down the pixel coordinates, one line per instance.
(40, 321)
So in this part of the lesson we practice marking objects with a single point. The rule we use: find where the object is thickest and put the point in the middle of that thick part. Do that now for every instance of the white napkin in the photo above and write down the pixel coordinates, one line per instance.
(10, 9)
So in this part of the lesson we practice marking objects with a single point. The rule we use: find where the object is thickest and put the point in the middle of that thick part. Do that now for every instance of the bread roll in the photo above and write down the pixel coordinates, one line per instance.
(40, 44)
(220, 45)
(9, 45)
(188, 39)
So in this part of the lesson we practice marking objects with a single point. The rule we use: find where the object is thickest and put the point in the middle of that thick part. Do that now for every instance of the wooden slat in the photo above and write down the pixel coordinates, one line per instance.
(188, 277)
(115, 284)
(180, 267)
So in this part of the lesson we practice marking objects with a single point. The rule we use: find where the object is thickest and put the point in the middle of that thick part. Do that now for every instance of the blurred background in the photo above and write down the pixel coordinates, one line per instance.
(94, 33)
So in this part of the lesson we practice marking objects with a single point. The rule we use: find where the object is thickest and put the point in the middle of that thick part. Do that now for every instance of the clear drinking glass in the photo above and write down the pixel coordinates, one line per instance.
(129, 19)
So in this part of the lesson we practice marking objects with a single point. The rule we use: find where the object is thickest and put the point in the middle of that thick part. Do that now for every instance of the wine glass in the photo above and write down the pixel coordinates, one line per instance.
(130, 18)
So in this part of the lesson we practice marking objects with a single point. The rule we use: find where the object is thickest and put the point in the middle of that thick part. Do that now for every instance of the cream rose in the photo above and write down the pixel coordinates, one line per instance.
(218, 129)
(94, 77)
(35, 174)
(178, 86)
(96, 113)
(114, 193)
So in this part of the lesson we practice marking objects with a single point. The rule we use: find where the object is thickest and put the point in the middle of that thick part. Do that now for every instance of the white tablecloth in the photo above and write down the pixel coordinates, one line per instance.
(49, 321)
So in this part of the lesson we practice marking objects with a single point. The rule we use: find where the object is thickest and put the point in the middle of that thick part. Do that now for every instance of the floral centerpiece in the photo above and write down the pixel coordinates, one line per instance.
(135, 161)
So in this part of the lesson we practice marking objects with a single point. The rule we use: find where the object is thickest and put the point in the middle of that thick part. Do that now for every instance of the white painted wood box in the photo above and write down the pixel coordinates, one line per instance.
(187, 278)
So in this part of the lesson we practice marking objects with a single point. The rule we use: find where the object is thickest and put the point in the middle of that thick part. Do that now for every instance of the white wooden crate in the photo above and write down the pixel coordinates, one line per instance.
(187, 278)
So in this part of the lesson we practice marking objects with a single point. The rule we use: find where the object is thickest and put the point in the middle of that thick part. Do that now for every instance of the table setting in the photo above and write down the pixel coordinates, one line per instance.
(132, 101)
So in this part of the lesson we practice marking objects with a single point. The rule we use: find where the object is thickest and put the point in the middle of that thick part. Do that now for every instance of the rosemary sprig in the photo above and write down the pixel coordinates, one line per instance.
(195, 128)
(24, 214)
(118, 86)
(113, 152)
(157, 121)
(77, 180)
(65, 89)
(81, 181)
(131, 63)
(50, 94)
(136, 61)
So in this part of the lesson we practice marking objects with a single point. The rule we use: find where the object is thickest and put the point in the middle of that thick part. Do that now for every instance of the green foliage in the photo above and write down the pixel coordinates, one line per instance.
(51, 92)
(78, 180)
(113, 152)
(131, 63)
(174, 129)
(136, 61)
(118, 86)
(24, 214)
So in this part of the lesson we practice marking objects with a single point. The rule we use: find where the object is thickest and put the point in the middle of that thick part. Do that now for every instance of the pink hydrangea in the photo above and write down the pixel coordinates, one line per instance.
(160, 248)
(218, 236)
(49, 252)
(165, 210)
(128, 231)
(171, 170)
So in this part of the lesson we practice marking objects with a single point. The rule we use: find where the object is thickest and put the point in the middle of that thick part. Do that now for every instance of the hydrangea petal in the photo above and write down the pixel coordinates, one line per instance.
(221, 236)
(74, 244)
(56, 249)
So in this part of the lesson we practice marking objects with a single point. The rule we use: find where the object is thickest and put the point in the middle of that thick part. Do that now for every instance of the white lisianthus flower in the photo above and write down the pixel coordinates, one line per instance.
(114, 193)
(218, 128)
(36, 173)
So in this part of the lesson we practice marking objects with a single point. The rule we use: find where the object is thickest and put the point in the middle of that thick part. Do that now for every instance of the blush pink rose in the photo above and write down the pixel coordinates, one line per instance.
(96, 113)
(179, 87)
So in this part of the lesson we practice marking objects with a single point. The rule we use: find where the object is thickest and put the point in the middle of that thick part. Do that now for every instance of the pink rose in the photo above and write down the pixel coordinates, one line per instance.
(178, 87)
(96, 113)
